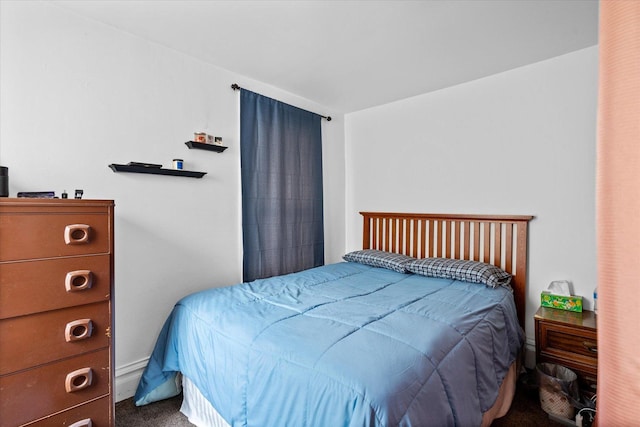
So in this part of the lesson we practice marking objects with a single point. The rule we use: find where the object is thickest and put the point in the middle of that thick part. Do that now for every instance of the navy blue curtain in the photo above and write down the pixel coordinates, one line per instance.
(281, 170)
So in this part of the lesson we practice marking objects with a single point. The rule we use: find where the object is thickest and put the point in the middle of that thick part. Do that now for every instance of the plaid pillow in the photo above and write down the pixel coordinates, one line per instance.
(377, 258)
(465, 270)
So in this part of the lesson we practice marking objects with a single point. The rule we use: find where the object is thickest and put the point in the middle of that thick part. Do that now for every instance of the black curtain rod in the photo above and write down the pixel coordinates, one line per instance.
(236, 87)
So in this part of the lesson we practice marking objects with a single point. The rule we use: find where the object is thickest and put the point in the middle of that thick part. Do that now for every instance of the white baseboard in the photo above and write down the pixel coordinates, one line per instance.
(530, 354)
(127, 378)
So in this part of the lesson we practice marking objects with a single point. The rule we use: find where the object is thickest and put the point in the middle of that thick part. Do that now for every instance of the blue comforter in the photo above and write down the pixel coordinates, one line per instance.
(340, 345)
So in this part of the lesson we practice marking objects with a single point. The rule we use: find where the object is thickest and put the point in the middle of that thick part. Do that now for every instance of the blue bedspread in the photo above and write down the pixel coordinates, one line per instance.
(340, 345)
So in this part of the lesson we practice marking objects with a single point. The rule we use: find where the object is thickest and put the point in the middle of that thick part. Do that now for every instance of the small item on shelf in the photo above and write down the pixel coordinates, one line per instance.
(200, 137)
(210, 139)
(64, 194)
(178, 164)
(145, 165)
(79, 194)
(217, 140)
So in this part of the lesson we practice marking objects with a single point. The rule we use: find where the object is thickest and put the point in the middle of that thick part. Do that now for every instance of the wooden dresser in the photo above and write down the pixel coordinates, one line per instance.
(571, 340)
(56, 313)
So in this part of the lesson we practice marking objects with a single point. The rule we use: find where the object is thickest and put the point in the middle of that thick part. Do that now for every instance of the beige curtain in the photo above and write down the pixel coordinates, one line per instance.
(618, 214)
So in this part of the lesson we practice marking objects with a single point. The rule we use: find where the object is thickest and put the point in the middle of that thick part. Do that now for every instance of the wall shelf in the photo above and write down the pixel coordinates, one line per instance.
(203, 146)
(156, 171)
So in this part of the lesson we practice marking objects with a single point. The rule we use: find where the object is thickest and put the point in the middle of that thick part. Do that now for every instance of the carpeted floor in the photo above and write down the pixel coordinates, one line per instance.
(525, 412)
(165, 413)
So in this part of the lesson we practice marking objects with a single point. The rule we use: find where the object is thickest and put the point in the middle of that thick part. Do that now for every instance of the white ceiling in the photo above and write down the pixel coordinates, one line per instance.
(351, 55)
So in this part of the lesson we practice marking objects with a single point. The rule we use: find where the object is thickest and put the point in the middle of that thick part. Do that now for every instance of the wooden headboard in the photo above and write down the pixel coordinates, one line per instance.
(500, 240)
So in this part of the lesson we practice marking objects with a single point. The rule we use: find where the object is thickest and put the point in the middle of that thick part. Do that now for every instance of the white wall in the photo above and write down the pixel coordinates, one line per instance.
(78, 95)
(519, 142)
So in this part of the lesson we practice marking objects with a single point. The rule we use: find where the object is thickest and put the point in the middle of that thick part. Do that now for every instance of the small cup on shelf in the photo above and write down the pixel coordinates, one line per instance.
(200, 137)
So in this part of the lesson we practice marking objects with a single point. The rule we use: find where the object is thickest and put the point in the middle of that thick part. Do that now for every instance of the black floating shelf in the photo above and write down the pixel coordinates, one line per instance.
(156, 171)
(203, 146)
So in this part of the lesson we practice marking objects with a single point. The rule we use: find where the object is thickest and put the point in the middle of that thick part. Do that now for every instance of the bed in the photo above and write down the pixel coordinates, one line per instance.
(423, 326)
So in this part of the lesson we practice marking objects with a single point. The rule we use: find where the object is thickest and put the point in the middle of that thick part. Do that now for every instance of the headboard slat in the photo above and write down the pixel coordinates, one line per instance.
(456, 239)
(407, 237)
(433, 244)
(486, 228)
(497, 242)
(476, 241)
(508, 247)
(415, 228)
(466, 253)
(448, 242)
(423, 238)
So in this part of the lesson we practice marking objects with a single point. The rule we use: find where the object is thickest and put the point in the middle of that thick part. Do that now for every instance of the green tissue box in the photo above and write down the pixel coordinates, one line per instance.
(561, 302)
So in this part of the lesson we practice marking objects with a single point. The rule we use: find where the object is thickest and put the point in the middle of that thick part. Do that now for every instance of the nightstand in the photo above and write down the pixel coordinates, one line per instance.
(569, 339)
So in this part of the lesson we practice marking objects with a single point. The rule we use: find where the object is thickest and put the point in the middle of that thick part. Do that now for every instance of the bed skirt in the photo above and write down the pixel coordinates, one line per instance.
(198, 409)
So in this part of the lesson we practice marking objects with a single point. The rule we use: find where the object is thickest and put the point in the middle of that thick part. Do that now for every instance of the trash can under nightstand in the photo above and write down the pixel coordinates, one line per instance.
(558, 388)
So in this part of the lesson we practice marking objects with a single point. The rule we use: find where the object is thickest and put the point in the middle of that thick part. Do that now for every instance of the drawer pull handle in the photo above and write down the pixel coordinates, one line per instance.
(78, 330)
(76, 234)
(78, 380)
(591, 346)
(78, 280)
(83, 423)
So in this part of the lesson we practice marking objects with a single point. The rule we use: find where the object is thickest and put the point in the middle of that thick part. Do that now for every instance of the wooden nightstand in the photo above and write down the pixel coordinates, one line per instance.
(569, 339)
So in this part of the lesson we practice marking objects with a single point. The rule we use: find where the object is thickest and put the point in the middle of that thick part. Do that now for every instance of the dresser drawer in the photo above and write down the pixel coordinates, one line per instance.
(561, 339)
(35, 286)
(97, 411)
(576, 348)
(33, 394)
(46, 235)
(29, 341)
